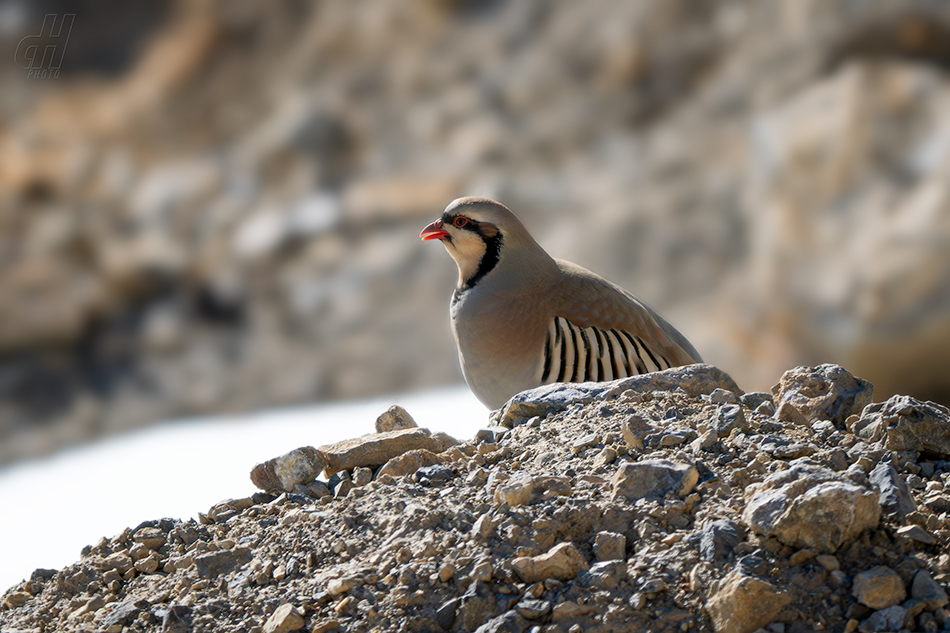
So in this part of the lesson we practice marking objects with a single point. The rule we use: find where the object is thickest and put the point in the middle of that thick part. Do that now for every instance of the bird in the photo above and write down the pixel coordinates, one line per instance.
(523, 319)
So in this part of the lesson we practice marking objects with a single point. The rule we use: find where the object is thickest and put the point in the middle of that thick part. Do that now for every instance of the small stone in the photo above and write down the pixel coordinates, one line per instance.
(362, 476)
(447, 572)
(562, 562)
(215, 564)
(376, 449)
(16, 599)
(284, 619)
(892, 618)
(299, 466)
(801, 556)
(825, 392)
(147, 565)
(178, 619)
(896, 500)
(517, 491)
(508, 622)
(917, 533)
(394, 418)
(879, 587)
(337, 586)
(742, 604)
(723, 396)
(482, 571)
(150, 537)
(718, 539)
(610, 546)
(728, 418)
(634, 429)
(653, 478)
(533, 609)
(325, 626)
(409, 463)
(484, 526)
(829, 562)
(928, 591)
(585, 442)
(606, 456)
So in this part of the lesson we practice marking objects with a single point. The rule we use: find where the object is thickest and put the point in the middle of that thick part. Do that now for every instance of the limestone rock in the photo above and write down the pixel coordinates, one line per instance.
(743, 603)
(654, 478)
(903, 423)
(879, 587)
(695, 380)
(376, 449)
(284, 620)
(825, 392)
(393, 419)
(562, 562)
(807, 506)
(299, 466)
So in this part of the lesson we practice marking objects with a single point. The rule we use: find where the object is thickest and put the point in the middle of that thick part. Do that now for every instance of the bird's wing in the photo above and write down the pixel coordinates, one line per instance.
(588, 300)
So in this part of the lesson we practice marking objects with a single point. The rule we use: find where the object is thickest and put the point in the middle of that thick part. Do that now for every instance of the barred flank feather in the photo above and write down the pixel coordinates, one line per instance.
(574, 354)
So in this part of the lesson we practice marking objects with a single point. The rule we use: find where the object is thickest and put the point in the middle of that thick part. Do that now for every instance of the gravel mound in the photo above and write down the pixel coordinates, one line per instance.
(666, 502)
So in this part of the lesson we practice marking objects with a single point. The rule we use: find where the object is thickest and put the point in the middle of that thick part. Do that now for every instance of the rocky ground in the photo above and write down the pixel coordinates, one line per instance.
(227, 219)
(666, 502)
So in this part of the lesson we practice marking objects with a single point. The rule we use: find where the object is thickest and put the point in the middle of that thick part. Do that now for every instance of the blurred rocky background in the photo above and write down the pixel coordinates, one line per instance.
(215, 205)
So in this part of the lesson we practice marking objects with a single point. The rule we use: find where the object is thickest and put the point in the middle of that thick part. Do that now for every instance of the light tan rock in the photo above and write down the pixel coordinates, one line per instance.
(376, 449)
(393, 419)
(299, 466)
(654, 478)
(879, 587)
(562, 562)
(742, 603)
(825, 392)
(807, 506)
(284, 620)
(409, 462)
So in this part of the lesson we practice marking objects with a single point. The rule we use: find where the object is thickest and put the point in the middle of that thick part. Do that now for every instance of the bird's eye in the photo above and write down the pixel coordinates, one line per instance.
(460, 221)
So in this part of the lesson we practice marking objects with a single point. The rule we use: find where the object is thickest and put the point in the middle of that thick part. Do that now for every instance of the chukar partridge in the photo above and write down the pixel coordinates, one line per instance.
(524, 319)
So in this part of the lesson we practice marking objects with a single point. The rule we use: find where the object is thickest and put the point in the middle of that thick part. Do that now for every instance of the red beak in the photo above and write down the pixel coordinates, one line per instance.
(434, 231)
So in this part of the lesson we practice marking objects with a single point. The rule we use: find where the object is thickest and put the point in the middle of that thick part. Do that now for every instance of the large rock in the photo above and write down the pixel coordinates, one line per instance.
(562, 562)
(744, 603)
(695, 380)
(903, 423)
(807, 506)
(654, 478)
(376, 449)
(825, 392)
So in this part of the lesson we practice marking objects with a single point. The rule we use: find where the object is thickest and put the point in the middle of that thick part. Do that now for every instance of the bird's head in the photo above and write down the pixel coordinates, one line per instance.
(478, 233)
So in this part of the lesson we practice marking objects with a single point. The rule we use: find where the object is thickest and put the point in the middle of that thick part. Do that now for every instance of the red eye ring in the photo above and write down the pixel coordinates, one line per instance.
(460, 221)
